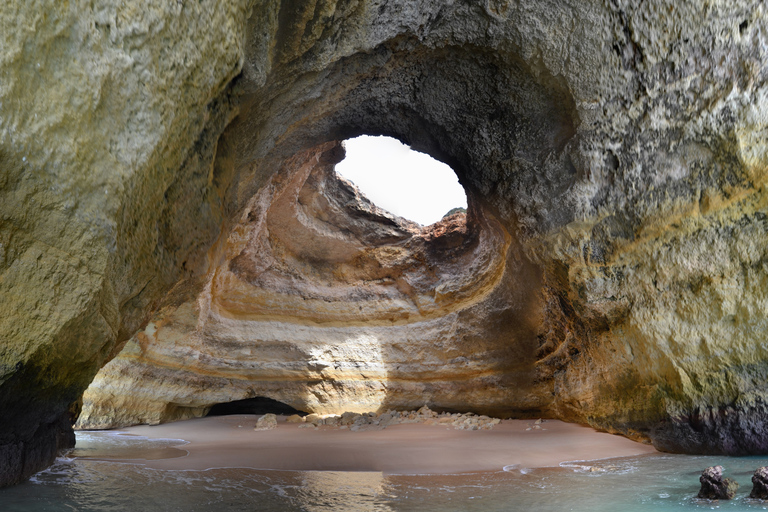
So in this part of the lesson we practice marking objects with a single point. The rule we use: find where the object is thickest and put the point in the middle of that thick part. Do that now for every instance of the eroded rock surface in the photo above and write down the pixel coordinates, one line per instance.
(266, 422)
(760, 484)
(714, 486)
(109, 115)
(324, 302)
(164, 169)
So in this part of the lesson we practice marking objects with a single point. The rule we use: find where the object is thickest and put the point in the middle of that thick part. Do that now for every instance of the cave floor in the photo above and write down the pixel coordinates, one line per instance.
(231, 442)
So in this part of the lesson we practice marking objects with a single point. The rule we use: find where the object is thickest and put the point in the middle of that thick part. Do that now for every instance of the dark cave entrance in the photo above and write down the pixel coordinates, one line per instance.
(258, 405)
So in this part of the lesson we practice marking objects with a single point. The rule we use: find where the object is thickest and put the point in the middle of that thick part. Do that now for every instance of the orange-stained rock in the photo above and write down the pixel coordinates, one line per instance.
(162, 171)
(329, 304)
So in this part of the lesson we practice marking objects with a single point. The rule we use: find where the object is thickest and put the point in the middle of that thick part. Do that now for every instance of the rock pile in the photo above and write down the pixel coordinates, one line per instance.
(536, 425)
(372, 421)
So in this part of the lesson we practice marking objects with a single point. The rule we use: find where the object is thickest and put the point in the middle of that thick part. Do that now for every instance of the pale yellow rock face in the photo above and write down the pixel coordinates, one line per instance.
(165, 179)
(322, 301)
(100, 105)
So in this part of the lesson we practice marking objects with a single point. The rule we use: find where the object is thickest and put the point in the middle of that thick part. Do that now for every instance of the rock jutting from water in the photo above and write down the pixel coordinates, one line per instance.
(760, 484)
(714, 486)
(170, 219)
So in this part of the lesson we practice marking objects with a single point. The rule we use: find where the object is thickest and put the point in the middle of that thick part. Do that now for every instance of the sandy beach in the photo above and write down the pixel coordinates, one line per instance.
(231, 442)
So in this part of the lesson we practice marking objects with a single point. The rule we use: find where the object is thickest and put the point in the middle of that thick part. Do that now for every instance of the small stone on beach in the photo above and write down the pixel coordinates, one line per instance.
(266, 422)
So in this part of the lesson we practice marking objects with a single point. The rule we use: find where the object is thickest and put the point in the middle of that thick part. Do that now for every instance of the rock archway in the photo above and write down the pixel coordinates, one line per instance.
(611, 270)
(322, 301)
(318, 299)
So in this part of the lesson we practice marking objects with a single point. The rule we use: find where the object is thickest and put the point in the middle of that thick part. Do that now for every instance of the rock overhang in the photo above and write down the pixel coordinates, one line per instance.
(475, 108)
(621, 146)
(321, 300)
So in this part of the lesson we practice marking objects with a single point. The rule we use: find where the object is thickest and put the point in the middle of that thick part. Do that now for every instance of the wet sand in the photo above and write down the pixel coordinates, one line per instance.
(231, 442)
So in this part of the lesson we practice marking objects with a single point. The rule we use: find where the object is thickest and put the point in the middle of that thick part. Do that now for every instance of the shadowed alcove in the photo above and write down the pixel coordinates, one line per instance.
(257, 405)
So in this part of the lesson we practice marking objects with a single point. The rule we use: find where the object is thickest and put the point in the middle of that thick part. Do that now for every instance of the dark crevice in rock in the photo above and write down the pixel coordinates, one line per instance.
(258, 405)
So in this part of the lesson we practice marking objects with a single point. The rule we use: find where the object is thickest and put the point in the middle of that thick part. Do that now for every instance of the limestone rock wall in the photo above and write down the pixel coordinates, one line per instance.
(104, 109)
(328, 304)
(618, 145)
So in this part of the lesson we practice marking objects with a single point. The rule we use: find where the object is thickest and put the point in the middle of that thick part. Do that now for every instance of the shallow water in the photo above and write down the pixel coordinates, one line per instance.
(87, 482)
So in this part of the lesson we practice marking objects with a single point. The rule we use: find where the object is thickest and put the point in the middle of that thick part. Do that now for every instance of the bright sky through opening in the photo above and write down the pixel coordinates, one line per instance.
(407, 183)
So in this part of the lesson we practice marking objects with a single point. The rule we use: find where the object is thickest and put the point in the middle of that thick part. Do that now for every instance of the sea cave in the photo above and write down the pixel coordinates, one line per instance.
(174, 235)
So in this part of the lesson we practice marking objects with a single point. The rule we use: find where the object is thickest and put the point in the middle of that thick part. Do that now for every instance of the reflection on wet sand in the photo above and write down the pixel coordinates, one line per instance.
(230, 441)
(120, 446)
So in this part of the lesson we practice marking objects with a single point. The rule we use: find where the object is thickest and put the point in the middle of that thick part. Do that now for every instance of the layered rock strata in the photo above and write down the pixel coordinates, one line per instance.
(328, 304)
(618, 148)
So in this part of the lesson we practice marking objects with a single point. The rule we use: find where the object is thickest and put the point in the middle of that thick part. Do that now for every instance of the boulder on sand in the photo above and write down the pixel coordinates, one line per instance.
(266, 422)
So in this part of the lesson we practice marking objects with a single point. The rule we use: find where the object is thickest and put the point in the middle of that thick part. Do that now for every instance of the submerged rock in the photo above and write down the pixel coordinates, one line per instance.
(714, 486)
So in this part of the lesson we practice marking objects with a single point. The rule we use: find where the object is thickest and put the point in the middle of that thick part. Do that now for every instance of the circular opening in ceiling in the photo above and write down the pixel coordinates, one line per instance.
(400, 180)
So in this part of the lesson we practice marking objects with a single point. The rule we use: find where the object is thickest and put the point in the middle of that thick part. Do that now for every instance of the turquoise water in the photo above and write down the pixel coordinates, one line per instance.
(646, 483)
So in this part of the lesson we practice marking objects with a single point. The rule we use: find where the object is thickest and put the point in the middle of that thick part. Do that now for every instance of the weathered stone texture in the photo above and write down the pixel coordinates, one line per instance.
(618, 145)
(328, 304)
(100, 108)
